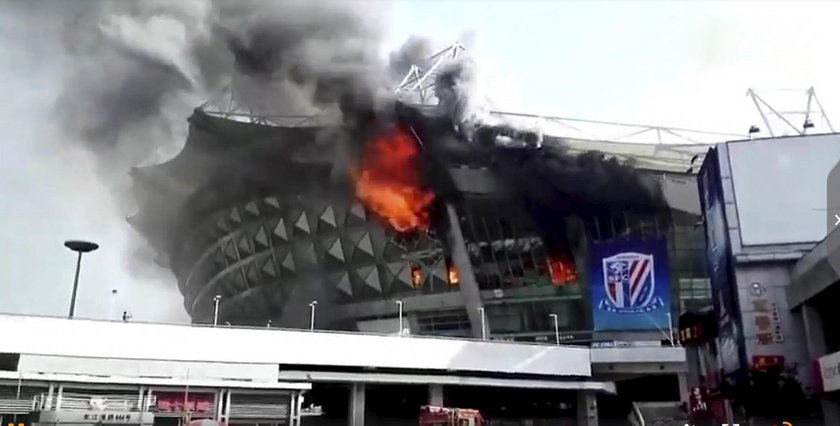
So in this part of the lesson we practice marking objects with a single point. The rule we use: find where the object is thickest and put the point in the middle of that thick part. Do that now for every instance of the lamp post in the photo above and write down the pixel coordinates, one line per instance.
(79, 247)
(312, 315)
(671, 329)
(112, 313)
(483, 324)
(216, 299)
(556, 329)
(400, 313)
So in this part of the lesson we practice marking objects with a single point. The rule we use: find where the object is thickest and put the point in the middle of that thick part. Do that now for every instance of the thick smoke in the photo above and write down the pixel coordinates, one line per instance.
(415, 51)
(552, 183)
(135, 70)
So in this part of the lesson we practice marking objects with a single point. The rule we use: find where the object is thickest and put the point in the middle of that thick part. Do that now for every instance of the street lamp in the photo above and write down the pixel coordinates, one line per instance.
(400, 307)
(670, 329)
(483, 324)
(556, 329)
(79, 247)
(112, 313)
(312, 315)
(216, 299)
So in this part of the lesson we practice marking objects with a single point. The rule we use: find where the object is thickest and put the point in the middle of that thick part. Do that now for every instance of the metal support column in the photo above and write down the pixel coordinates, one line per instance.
(141, 406)
(48, 404)
(226, 408)
(466, 279)
(294, 409)
(436, 395)
(299, 404)
(682, 382)
(356, 407)
(59, 397)
(217, 399)
(587, 409)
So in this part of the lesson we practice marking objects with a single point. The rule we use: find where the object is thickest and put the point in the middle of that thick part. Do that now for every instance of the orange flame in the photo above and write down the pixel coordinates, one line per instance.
(416, 276)
(561, 269)
(389, 182)
(452, 273)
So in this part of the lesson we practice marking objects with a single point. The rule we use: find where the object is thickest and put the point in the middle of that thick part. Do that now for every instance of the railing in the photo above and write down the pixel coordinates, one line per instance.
(296, 330)
(635, 417)
(549, 342)
(17, 406)
(71, 402)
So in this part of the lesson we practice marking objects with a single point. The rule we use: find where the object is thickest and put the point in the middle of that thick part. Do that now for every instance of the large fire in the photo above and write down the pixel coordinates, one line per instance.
(561, 268)
(389, 182)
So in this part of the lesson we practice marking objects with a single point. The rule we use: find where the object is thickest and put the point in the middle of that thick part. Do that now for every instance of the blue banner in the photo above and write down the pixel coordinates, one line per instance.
(731, 350)
(629, 285)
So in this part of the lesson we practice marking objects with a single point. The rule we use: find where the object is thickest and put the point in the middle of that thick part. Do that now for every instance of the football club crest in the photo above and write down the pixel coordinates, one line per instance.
(629, 283)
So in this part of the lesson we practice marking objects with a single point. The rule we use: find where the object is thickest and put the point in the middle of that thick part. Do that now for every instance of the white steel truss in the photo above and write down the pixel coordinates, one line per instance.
(417, 87)
(780, 122)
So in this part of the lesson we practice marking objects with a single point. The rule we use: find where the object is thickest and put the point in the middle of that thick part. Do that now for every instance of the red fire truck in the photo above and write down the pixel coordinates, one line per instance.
(431, 415)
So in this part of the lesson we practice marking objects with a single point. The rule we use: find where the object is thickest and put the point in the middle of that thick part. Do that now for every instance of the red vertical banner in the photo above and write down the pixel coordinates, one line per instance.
(176, 402)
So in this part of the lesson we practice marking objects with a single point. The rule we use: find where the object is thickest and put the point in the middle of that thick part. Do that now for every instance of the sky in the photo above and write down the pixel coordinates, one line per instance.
(684, 64)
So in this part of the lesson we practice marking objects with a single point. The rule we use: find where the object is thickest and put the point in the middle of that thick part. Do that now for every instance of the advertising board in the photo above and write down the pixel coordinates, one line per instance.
(629, 282)
(719, 260)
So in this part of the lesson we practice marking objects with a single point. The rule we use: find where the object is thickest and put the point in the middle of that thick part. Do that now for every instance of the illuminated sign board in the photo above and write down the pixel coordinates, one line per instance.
(696, 328)
(830, 370)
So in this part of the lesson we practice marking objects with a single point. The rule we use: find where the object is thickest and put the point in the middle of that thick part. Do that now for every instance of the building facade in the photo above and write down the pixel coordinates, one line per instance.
(764, 204)
(254, 214)
(814, 287)
(136, 373)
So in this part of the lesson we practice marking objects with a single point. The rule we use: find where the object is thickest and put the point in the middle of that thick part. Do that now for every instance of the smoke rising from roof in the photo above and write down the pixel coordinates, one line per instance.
(137, 68)
(549, 177)
(415, 51)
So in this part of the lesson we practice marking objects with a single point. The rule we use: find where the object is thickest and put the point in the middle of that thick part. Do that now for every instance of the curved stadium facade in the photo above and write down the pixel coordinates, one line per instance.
(262, 216)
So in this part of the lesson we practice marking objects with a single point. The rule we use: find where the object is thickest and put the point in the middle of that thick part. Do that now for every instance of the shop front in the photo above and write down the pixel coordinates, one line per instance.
(84, 418)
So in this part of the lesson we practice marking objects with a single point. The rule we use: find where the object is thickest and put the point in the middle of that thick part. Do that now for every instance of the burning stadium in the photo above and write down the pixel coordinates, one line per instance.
(477, 224)
(468, 222)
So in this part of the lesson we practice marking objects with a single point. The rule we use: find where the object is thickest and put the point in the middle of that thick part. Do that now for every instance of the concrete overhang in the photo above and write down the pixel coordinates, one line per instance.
(647, 354)
(13, 377)
(166, 342)
(633, 361)
(811, 275)
(387, 378)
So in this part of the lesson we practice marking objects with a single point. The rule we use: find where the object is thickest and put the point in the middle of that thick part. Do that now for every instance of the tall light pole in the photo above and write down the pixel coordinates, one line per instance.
(400, 310)
(216, 299)
(112, 314)
(671, 329)
(483, 323)
(312, 315)
(556, 329)
(79, 247)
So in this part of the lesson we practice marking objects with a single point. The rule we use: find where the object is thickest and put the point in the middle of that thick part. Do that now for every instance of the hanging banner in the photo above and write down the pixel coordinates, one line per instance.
(629, 285)
(731, 348)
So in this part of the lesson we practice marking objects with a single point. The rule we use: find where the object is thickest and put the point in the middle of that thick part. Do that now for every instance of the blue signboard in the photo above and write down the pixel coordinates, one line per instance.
(732, 353)
(629, 285)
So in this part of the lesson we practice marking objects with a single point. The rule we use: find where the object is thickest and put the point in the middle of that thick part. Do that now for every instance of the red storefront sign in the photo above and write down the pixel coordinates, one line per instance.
(180, 402)
(766, 362)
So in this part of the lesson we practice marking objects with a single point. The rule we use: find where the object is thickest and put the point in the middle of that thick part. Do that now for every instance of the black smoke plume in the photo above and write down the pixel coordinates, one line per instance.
(551, 182)
(135, 70)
